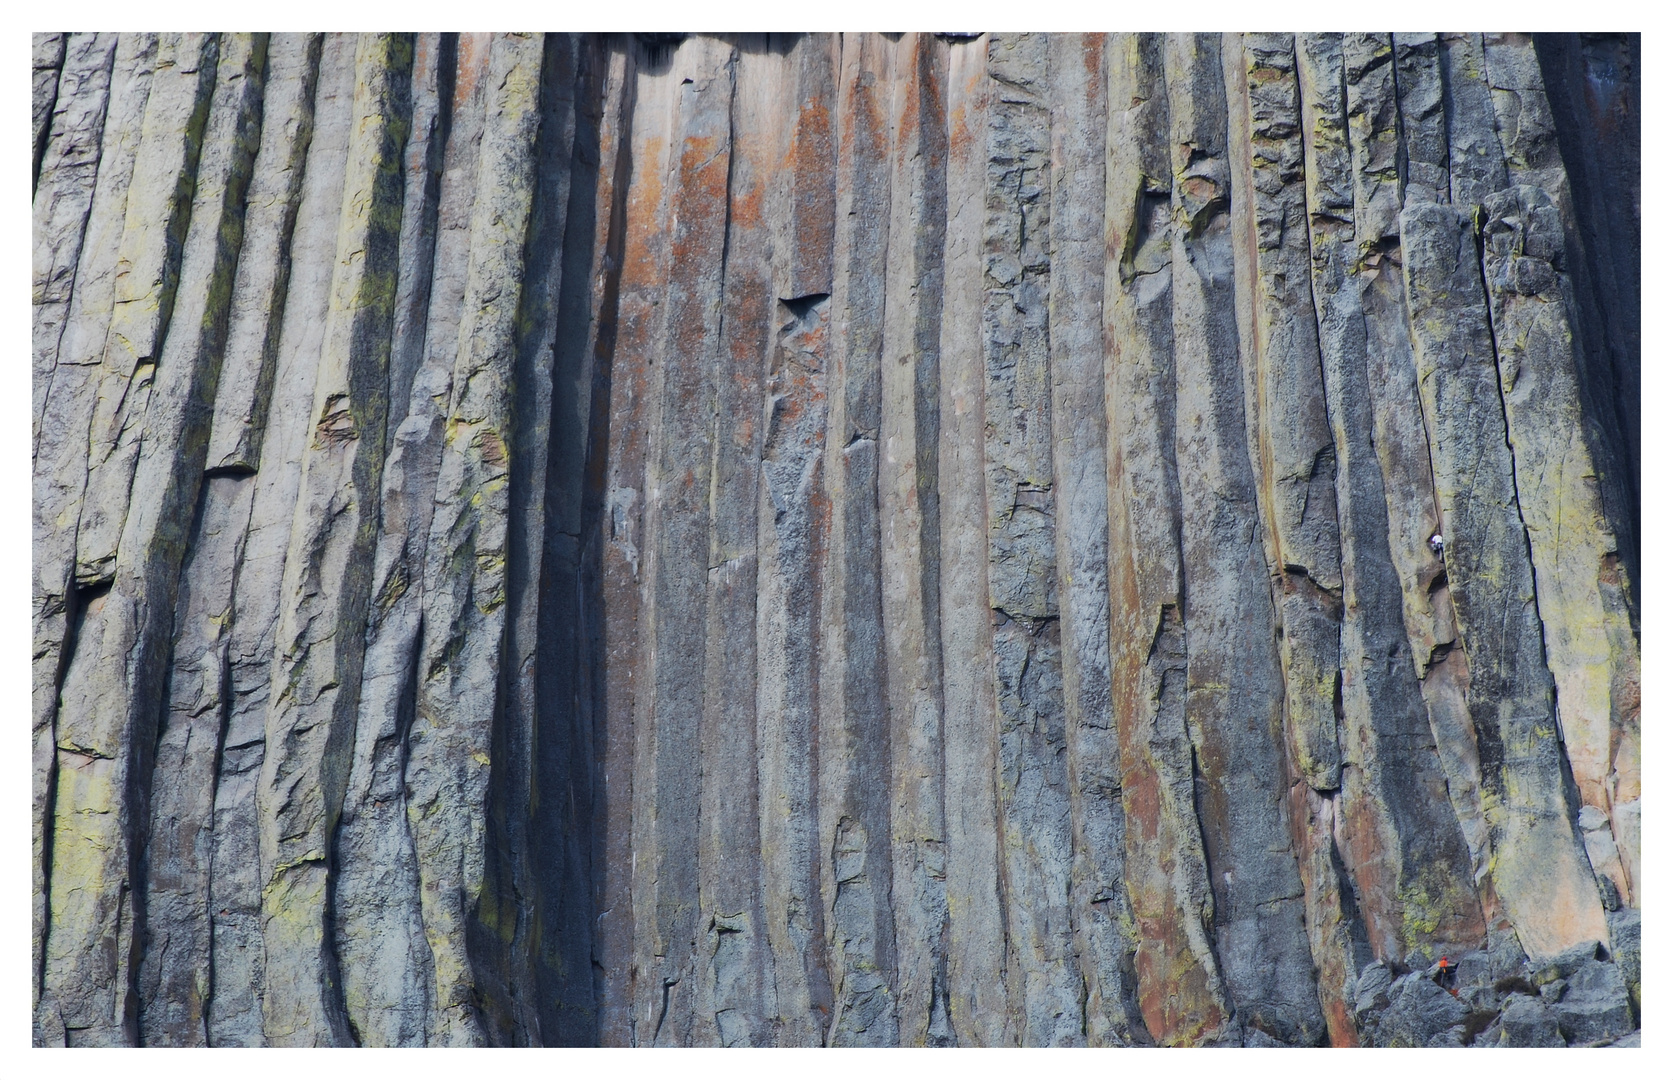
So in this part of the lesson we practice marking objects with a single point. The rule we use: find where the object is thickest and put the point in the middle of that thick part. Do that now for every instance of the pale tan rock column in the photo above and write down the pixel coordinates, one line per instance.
(1234, 689)
(1579, 576)
(909, 513)
(238, 955)
(1539, 867)
(387, 968)
(853, 747)
(679, 471)
(979, 971)
(319, 643)
(1100, 913)
(459, 702)
(794, 531)
(174, 975)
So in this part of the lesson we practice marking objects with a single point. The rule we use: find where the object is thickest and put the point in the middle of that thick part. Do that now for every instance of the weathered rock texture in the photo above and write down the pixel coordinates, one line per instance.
(867, 540)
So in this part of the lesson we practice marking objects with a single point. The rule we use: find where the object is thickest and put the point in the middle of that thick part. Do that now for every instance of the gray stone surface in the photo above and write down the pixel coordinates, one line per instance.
(1625, 949)
(1528, 1022)
(1594, 1007)
(1419, 1013)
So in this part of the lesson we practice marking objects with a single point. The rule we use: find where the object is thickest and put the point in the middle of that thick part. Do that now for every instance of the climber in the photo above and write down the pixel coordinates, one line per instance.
(1447, 976)
(1436, 544)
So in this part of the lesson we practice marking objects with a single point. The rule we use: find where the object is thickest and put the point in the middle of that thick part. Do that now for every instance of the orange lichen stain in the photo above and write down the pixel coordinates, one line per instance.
(791, 410)
(743, 429)
(493, 450)
(641, 245)
(746, 208)
(1200, 189)
(423, 59)
(697, 153)
(473, 62)
(959, 137)
(906, 125)
(1174, 996)
(1312, 839)
(423, 67)
(1367, 855)
(1338, 1019)
(813, 135)
(1144, 801)
(819, 515)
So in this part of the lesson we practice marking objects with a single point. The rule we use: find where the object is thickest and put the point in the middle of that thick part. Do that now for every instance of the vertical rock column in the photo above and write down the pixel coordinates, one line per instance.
(1591, 85)
(1438, 906)
(110, 689)
(245, 390)
(853, 748)
(608, 551)
(1579, 575)
(1296, 462)
(174, 989)
(1234, 692)
(541, 801)
(387, 967)
(78, 181)
(794, 533)
(732, 992)
(238, 953)
(1100, 913)
(145, 287)
(459, 694)
(1399, 433)
(1555, 346)
(1402, 845)
(270, 432)
(1182, 997)
(47, 56)
(1536, 847)
(1021, 504)
(626, 1014)
(76, 128)
(668, 715)
(978, 969)
(319, 643)
(1296, 472)
(909, 508)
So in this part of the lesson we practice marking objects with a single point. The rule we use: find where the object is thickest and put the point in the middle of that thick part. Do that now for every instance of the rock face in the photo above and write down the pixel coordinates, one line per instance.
(851, 540)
